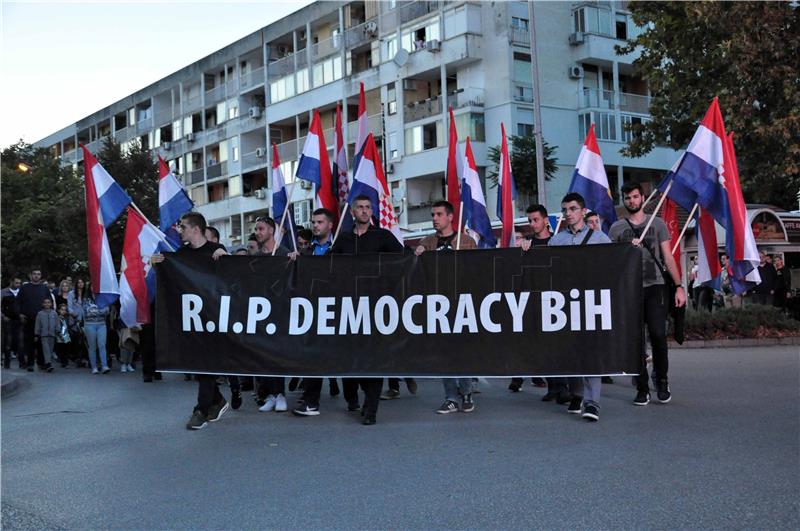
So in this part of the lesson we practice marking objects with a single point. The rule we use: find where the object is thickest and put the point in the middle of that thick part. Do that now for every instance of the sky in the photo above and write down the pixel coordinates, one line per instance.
(63, 60)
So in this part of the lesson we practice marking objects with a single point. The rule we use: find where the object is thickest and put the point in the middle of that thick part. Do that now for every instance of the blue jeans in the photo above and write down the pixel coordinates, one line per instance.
(455, 387)
(96, 338)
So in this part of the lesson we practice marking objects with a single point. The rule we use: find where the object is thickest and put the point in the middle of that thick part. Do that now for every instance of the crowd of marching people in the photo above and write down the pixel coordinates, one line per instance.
(49, 325)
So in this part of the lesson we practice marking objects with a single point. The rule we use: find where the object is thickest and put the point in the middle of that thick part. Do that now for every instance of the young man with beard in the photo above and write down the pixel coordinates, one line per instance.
(585, 391)
(445, 240)
(211, 405)
(365, 238)
(656, 251)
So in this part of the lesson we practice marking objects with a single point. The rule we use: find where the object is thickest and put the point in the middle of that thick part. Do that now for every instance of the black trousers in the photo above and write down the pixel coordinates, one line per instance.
(372, 394)
(147, 350)
(207, 393)
(655, 318)
(394, 383)
(32, 348)
(557, 385)
(350, 390)
(312, 389)
(270, 386)
(12, 341)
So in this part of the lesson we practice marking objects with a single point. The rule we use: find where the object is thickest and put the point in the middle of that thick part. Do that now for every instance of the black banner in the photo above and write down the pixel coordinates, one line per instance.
(550, 311)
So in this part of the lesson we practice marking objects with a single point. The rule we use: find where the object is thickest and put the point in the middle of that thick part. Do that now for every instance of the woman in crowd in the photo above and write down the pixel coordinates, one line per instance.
(96, 330)
(75, 308)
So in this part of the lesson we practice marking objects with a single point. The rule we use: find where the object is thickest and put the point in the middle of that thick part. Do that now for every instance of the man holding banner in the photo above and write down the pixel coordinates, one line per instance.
(657, 261)
(585, 391)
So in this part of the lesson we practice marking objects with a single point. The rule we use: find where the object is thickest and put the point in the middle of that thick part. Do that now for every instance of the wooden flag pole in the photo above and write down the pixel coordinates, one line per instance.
(341, 222)
(558, 224)
(655, 212)
(685, 226)
(650, 197)
(283, 218)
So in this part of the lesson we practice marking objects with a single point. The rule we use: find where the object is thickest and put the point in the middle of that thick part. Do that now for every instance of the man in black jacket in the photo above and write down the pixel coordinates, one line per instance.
(11, 325)
(365, 238)
(31, 295)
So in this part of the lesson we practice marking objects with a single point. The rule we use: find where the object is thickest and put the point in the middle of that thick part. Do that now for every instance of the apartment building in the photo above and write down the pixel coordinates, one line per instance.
(216, 119)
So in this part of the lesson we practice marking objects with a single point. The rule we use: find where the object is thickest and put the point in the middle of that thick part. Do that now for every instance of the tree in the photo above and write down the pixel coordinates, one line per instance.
(523, 163)
(746, 53)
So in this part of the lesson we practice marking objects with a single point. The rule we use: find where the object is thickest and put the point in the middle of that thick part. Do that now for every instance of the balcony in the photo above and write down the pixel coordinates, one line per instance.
(144, 125)
(252, 78)
(520, 36)
(415, 10)
(254, 159)
(163, 117)
(361, 34)
(605, 99)
(191, 103)
(289, 150)
(374, 125)
(195, 176)
(326, 47)
(423, 109)
(466, 97)
(597, 99)
(634, 103)
(281, 67)
(215, 94)
(214, 171)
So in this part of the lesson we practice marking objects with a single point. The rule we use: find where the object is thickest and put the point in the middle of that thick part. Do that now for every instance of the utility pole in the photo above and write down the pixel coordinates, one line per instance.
(537, 109)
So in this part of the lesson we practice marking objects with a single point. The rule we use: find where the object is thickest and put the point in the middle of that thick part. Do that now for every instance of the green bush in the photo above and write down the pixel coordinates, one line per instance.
(751, 321)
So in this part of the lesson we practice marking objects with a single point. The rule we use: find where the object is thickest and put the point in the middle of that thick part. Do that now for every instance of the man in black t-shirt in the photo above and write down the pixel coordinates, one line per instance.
(211, 405)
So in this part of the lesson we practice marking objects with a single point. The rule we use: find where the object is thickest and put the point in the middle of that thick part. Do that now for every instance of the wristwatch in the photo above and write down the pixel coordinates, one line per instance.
(679, 286)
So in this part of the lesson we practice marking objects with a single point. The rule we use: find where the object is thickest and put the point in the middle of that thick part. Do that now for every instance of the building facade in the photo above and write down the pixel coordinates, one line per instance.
(216, 119)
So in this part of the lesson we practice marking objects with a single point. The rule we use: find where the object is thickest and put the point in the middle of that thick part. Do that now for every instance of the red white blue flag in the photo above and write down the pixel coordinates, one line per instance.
(342, 184)
(173, 202)
(506, 194)
(476, 216)
(370, 180)
(590, 180)
(455, 164)
(105, 201)
(315, 167)
(137, 283)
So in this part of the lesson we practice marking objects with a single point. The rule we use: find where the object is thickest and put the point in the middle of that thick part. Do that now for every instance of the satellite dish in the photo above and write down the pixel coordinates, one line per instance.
(401, 57)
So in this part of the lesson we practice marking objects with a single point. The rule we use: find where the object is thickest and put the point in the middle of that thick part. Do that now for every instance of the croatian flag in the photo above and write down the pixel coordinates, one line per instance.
(315, 167)
(506, 194)
(670, 215)
(455, 164)
(370, 180)
(279, 197)
(476, 217)
(708, 266)
(342, 184)
(173, 202)
(363, 127)
(708, 169)
(137, 283)
(590, 180)
(105, 201)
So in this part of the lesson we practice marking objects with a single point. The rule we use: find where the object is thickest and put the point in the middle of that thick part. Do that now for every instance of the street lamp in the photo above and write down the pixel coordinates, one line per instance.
(24, 167)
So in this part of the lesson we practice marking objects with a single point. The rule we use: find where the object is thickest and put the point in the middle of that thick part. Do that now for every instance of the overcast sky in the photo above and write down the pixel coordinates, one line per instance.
(62, 61)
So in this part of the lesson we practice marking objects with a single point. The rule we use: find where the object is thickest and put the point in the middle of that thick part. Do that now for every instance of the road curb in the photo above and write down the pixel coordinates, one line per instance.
(749, 342)
(13, 386)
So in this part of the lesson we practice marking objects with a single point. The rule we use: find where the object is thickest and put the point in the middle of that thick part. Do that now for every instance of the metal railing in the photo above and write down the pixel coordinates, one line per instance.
(252, 78)
(290, 149)
(217, 170)
(215, 94)
(636, 103)
(415, 10)
(195, 176)
(374, 126)
(361, 34)
(252, 160)
(422, 109)
(281, 67)
(597, 99)
(326, 47)
(467, 97)
(520, 36)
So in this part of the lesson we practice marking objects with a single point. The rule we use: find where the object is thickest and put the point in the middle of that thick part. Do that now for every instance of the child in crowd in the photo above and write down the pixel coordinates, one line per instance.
(45, 331)
(63, 345)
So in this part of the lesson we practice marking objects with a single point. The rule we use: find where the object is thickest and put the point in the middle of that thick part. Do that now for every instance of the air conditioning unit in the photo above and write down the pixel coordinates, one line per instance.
(576, 38)
(576, 72)
(261, 152)
(254, 112)
(409, 84)
(190, 137)
(166, 145)
(260, 193)
(305, 185)
(370, 28)
(433, 45)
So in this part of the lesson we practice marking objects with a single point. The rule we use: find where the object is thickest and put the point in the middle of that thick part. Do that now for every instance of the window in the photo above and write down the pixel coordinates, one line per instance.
(302, 81)
(622, 26)
(235, 186)
(187, 125)
(422, 137)
(282, 89)
(221, 116)
(233, 109)
(302, 213)
(524, 122)
(327, 71)
(473, 124)
(522, 67)
(131, 116)
(391, 96)
(176, 130)
(234, 144)
(519, 23)
(590, 19)
(605, 125)
(626, 119)
(523, 94)
(390, 47)
(391, 139)
(198, 195)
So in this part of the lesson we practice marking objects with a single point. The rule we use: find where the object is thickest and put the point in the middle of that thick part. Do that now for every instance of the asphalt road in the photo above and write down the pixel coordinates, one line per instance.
(82, 451)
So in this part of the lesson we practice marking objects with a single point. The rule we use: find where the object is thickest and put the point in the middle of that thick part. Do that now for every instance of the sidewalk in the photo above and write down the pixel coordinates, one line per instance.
(745, 342)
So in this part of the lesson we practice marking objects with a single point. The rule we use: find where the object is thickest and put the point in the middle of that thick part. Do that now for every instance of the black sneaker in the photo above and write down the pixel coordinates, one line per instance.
(549, 397)
(467, 405)
(663, 392)
(575, 405)
(215, 411)
(563, 398)
(369, 420)
(391, 394)
(642, 398)
(411, 383)
(353, 406)
(236, 399)
(333, 387)
(448, 406)
(197, 421)
(305, 410)
(591, 413)
(515, 387)
(293, 383)
(538, 382)
(606, 379)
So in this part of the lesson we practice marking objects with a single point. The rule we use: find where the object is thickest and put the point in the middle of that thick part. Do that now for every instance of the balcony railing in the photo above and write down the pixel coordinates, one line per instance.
(253, 160)
(374, 126)
(191, 103)
(415, 10)
(217, 170)
(163, 117)
(423, 109)
(467, 97)
(326, 47)
(636, 103)
(281, 67)
(520, 36)
(523, 94)
(252, 78)
(597, 99)
(215, 94)
(195, 176)
(361, 34)
(144, 125)
(289, 150)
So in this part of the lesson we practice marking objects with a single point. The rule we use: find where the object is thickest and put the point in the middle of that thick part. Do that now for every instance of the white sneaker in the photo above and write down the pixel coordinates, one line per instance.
(95, 371)
(123, 368)
(280, 403)
(270, 404)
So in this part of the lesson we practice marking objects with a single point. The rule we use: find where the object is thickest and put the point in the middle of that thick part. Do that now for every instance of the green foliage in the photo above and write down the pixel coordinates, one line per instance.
(751, 321)
(523, 163)
(44, 211)
(746, 53)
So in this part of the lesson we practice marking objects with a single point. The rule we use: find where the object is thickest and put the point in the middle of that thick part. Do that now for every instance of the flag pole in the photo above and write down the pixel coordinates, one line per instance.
(160, 234)
(283, 218)
(685, 226)
(558, 224)
(341, 222)
(655, 212)
(460, 211)
(650, 197)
